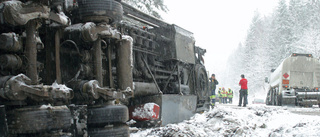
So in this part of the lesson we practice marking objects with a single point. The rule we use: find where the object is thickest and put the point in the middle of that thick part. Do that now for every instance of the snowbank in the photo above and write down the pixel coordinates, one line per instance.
(238, 121)
(61, 87)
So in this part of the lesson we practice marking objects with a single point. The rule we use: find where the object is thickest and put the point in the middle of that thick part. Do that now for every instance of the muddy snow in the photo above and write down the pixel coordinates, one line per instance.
(255, 120)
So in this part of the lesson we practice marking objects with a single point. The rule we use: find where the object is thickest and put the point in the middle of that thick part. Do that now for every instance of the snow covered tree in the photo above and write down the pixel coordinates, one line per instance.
(151, 7)
(282, 35)
(256, 53)
(309, 43)
(298, 17)
(235, 67)
(306, 28)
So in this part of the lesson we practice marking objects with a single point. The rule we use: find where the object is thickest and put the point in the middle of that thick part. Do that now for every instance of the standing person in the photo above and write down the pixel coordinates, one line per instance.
(213, 85)
(224, 95)
(220, 95)
(247, 96)
(230, 95)
(243, 91)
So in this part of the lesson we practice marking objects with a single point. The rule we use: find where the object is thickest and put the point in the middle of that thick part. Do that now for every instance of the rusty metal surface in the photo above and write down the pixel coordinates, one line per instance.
(145, 89)
(10, 62)
(125, 64)
(184, 45)
(19, 88)
(31, 51)
(18, 13)
(92, 90)
(97, 61)
(57, 56)
(3, 122)
(10, 42)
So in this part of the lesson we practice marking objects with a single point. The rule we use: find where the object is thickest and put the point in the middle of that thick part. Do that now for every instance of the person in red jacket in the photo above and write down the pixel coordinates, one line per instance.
(243, 91)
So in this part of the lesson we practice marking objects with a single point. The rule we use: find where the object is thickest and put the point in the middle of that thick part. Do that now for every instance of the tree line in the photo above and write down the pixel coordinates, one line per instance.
(293, 27)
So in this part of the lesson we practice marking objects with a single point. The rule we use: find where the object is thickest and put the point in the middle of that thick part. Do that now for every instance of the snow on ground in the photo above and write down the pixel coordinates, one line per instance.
(228, 120)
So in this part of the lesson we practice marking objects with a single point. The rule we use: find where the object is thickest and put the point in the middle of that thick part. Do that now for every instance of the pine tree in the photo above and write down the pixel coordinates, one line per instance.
(256, 50)
(282, 32)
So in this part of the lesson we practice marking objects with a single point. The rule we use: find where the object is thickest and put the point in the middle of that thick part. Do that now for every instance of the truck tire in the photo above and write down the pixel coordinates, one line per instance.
(273, 98)
(107, 114)
(280, 100)
(3, 122)
(37, 120)
(268, 98)
(109, 11)
(114, 131)
(202, 83)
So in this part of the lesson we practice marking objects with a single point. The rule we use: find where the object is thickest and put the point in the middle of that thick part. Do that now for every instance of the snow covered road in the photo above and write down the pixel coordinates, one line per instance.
(255, 120)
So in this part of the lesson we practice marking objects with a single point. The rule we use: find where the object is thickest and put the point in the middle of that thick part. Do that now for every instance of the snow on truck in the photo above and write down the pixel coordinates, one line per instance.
(85, 67)
(295, 82)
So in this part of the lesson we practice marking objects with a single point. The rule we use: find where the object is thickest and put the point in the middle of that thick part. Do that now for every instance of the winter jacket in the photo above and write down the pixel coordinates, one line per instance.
(243, 83)
(213, 84)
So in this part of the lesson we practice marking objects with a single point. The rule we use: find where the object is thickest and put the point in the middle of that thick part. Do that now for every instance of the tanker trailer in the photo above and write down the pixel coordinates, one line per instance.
(295, 82)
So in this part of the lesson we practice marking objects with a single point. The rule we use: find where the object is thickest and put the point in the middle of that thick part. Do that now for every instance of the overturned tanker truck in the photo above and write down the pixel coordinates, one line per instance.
(295, 82)
(85, 67)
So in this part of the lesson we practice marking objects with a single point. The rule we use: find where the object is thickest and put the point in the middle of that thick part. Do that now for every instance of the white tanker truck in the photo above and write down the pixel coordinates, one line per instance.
(296, 81)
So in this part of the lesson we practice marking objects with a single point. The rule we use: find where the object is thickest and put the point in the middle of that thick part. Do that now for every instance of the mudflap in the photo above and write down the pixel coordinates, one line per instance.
(176, 108)
(173, 108)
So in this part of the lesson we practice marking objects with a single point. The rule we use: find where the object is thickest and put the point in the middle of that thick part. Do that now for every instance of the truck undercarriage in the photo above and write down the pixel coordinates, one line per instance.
(90, 66)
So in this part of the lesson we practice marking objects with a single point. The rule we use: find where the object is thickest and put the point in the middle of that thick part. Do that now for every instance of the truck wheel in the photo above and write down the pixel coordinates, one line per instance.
(274, 103)
(280, 100)
(37, 120)
(112, 131)
(267, 101)
(100, 11)
(107, 114)
(201, 82)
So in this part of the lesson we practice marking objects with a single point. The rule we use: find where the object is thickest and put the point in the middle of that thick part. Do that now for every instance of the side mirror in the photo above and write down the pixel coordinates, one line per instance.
(272, 70)
(266, 79)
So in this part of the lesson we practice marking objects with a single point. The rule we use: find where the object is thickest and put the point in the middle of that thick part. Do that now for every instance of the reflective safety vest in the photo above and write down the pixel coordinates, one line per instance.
(212, 96)
(220, 93)
(230, 94)
(224, 93)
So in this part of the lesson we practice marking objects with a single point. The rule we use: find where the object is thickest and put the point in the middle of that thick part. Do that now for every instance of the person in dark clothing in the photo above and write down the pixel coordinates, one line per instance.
(213, 84)
(243, 91)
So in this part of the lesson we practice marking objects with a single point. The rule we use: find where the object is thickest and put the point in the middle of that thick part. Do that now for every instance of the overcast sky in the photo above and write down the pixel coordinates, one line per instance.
(218, 25)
